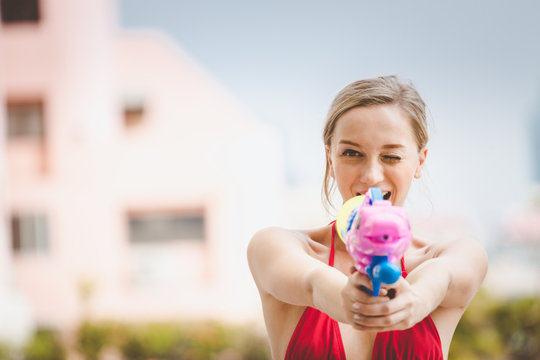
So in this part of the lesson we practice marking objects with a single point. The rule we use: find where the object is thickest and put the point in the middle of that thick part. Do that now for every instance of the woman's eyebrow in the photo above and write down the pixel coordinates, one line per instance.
(348, 142)
(386, 146)
(393, 146)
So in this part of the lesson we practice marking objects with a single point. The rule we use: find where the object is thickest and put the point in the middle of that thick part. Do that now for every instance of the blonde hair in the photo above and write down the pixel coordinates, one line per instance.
(376, 91)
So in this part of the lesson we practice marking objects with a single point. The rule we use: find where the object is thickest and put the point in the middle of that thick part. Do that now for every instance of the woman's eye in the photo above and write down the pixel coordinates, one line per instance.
(391, 158)
(350, 152)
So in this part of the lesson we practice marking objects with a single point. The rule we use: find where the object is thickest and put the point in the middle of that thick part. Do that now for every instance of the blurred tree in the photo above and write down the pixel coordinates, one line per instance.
(44, 345)
(4, 351)
(492, 328)
(92, 338)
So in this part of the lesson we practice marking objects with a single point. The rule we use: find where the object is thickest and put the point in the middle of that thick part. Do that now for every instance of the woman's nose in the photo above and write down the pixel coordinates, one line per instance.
(372, 174)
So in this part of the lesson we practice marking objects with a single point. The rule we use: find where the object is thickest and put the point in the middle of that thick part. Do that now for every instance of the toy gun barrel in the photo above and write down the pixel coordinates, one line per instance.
(376, 235)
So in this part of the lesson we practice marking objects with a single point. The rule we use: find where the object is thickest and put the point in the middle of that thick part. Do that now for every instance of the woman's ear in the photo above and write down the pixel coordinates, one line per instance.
(329, 161)
(421, 160)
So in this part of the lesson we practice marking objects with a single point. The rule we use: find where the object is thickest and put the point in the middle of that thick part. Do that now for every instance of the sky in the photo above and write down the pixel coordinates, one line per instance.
(476, 64)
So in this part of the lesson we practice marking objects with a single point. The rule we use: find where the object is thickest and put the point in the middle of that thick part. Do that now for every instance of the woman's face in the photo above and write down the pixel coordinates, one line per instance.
(375, 146)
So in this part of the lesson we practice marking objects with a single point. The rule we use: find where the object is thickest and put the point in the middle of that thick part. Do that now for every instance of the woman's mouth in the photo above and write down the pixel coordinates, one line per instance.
(386, 194)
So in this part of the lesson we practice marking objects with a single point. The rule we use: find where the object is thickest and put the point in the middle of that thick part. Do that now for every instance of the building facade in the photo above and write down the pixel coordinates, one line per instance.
(133, 180)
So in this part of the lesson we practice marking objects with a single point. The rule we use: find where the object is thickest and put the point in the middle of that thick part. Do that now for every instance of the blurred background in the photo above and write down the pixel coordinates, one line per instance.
(143, 143)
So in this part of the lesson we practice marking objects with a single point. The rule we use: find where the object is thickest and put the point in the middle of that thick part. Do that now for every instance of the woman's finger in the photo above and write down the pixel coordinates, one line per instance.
(395, 321)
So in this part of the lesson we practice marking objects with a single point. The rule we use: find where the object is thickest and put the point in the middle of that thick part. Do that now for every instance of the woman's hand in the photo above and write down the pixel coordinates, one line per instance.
(396, 308)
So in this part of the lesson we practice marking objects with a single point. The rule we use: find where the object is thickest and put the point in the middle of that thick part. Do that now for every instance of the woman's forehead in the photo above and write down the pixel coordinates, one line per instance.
(386, 123)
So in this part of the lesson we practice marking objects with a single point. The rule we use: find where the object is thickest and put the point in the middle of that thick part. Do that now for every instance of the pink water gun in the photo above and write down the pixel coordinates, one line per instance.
(376, 235)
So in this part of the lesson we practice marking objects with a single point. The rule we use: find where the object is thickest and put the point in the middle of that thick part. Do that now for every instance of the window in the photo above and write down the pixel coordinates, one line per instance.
(25, 120)
(17, 11)
(167, 248)
(29, 233)
(151, 227)
(133, 113)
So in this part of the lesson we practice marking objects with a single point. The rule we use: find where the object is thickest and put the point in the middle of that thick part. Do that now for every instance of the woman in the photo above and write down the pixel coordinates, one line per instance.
(314, 308)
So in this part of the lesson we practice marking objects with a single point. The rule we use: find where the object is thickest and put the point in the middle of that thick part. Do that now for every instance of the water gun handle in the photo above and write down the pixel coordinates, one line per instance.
(382, 271)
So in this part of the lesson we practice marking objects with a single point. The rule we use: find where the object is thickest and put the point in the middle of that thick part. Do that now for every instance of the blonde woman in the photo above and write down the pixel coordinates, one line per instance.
(375, 135)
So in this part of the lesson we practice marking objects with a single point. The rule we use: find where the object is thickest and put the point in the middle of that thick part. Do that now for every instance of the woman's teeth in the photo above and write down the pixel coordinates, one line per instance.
(386, 195)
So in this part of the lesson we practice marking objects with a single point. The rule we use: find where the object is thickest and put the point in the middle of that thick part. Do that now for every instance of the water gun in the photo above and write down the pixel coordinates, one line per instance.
(376, 234)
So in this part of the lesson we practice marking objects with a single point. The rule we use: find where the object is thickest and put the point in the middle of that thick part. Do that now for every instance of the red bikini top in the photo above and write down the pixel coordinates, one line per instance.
(317, 336)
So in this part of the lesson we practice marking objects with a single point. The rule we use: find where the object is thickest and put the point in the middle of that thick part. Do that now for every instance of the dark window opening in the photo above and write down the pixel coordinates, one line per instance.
(29, 233)
(25, 120)
(152, 227)
(133, 113)
(17, 11)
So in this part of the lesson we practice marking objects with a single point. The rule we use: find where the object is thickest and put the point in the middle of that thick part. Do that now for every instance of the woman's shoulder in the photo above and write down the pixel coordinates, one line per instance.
(274, 234)
(466, 258)
(311, 241)
(433, 248)
(423, 249)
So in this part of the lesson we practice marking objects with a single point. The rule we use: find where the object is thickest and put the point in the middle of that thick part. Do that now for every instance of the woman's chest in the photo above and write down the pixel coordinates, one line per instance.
(357, 344)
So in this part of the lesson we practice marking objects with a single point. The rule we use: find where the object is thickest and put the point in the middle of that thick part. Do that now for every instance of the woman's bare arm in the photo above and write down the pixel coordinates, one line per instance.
(446, 275)
(283, 265)
(465, 263)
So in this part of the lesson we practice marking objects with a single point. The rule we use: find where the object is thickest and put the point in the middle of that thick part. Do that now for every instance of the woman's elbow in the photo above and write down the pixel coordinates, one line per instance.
(467, 274)
(479, 262)
(478, 269)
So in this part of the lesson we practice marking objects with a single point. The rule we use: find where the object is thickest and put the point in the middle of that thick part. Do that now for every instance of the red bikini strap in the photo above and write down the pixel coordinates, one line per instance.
(403, 271)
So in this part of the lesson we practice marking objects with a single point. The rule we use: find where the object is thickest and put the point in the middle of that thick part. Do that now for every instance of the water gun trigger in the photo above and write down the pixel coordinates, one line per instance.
(381, 271)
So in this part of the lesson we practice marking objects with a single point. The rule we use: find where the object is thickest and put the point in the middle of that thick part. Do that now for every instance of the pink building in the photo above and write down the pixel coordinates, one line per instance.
(133, 181)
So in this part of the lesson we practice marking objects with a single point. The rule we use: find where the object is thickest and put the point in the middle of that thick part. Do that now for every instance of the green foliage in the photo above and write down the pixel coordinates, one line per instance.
(5, 351)
(92, 338)
(519, 324)
(253, 347)
(156, 341)
(44, 345)
(492, 328)
(193, 341)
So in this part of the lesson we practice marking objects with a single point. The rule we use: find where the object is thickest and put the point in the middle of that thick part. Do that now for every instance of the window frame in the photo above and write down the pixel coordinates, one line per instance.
(14, 134)
(164, 213)
(15, 12)
(30, 232)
